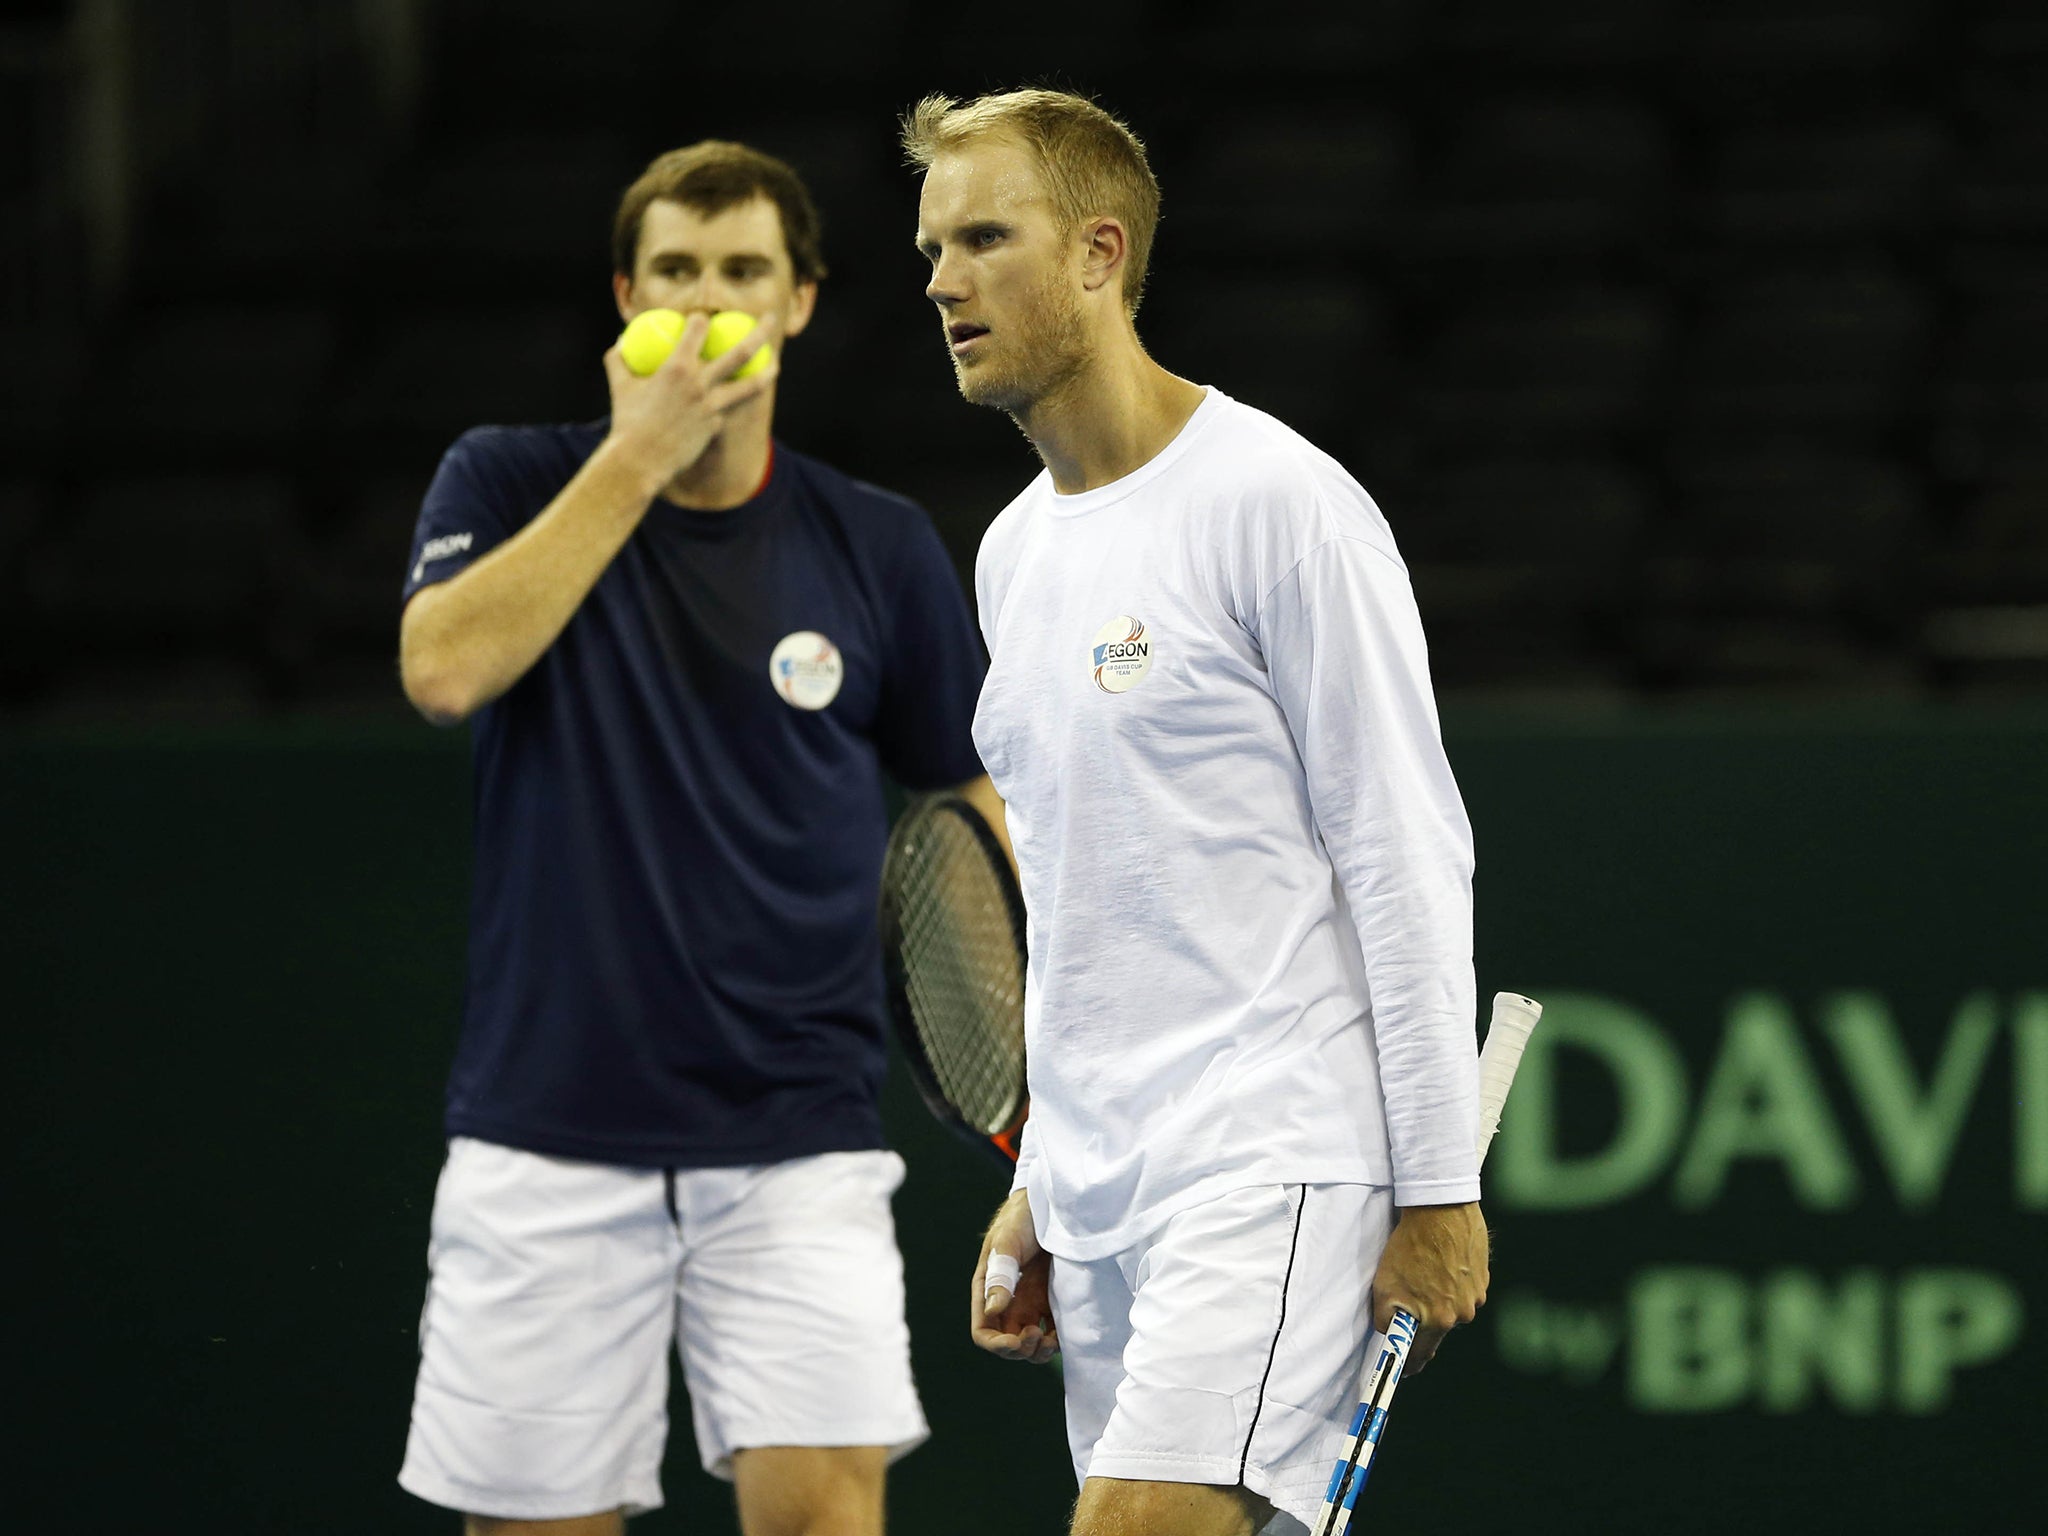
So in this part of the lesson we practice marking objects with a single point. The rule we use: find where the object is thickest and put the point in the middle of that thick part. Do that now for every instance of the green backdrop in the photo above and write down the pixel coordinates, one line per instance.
(1769, 1203)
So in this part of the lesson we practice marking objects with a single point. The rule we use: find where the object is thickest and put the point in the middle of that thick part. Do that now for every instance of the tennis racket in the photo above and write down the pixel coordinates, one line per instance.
(952, 921)
(1513, 1018)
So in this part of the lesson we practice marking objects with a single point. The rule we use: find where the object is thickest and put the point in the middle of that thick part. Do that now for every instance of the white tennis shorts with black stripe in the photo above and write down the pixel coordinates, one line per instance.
(1227, 1346)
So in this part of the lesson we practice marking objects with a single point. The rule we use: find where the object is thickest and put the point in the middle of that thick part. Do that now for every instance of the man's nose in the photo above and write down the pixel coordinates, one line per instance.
(699, 295)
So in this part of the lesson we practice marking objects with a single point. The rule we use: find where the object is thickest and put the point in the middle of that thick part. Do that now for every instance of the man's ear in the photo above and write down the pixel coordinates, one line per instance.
(1102, 258)
(622, 294)
(801, 308)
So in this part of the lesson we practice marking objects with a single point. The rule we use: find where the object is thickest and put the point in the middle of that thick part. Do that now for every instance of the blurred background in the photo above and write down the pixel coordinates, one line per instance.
(1698, 353)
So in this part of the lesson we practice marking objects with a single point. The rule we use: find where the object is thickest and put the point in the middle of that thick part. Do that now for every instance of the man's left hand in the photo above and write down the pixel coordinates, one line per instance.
(1434, 1268)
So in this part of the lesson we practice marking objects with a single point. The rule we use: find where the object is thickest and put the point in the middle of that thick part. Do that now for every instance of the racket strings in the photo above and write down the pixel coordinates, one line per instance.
(961, 967)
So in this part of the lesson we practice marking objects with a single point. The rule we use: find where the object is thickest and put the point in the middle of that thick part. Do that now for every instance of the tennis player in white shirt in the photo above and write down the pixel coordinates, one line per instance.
(1250, 1012)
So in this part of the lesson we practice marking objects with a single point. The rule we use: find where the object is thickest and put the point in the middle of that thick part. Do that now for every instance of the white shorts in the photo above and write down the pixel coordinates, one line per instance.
(558, 1286)
(1226, 1347)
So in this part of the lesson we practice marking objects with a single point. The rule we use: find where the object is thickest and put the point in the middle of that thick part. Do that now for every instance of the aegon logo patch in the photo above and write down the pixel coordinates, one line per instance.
(1122, 654)
(440, 549)
(805, 668)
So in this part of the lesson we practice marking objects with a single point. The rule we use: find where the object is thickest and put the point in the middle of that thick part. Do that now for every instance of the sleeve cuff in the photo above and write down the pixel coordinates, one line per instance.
(1436, 1191)
(1026, 1155)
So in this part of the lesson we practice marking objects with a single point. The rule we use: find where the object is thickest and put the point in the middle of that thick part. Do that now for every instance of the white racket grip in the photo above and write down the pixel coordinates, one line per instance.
(1514, 1016)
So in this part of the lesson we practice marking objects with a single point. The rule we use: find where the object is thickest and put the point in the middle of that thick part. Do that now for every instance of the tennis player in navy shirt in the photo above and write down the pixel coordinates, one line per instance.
(689, 656)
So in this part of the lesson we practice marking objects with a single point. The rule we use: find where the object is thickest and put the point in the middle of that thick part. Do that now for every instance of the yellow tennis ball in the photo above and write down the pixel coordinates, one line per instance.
(648, 339)
(728, 326)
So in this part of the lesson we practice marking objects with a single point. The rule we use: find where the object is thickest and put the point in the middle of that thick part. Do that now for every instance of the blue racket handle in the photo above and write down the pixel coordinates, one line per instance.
(1354, 1465)
(1514, 1017)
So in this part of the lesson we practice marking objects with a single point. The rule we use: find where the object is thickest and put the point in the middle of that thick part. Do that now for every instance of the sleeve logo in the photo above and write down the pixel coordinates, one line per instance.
(1122, 654)
(806, 669)
(440, 549)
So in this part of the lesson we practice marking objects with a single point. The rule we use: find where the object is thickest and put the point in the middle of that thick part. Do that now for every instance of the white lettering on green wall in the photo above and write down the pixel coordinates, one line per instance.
(1764, 1100)
(1539, 1336)
(1528, 1170)
(2030, 1102)
(1949, 1318)
(1817, 1335)
(1706, 1340)
(1689, 1340)
(1915, 1129)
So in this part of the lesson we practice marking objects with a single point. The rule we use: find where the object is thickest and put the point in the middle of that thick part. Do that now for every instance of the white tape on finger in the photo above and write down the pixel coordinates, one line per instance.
(1002, 1274)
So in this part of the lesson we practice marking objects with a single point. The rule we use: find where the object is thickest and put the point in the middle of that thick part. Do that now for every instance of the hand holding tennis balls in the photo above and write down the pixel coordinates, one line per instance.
(651, 336)
(664, 417)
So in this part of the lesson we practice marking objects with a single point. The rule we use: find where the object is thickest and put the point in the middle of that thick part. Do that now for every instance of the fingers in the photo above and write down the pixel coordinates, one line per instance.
(1000, 1333)
(1433, 1322)
(996, 1283)
(734, 357)
(1387, 1301)
(689, 344)
(1010, 1309)
(1004, 1346)
(736, 392)
(996, 1306)
(996, 1279)
(721, 390)
(1423, 1350)
(1001, 1272)
(711, 382)
(1035, 1343)
(978, 1308)
(1431, 1326)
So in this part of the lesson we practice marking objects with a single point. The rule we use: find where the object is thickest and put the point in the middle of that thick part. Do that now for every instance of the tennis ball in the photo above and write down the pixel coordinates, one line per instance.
(727, 327)
(648, 339)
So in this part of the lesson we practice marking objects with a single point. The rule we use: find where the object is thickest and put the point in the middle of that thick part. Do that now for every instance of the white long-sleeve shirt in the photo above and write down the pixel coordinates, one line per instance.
(1246, 867)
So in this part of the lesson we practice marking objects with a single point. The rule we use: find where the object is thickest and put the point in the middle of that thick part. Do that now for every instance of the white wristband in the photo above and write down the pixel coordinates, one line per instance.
(1002, 1274)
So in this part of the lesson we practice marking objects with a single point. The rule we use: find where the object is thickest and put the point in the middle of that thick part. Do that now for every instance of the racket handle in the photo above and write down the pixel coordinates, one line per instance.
(1354, 1462)
(1514, 1016)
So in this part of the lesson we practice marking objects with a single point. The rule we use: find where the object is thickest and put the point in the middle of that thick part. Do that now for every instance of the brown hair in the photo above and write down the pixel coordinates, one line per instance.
(1092, 162)
(711, 177)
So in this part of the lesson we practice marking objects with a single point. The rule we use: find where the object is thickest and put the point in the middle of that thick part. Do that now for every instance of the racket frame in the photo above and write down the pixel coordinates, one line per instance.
(1002, 1144)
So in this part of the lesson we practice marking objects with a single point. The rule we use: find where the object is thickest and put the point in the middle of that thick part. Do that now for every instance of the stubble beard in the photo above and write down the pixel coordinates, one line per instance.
(1043, 357)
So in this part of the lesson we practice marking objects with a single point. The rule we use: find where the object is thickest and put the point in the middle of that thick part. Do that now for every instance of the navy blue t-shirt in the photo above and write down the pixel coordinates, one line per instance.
(672, 956)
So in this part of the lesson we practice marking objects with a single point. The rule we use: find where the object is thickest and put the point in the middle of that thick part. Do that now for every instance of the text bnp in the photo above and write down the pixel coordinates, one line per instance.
(1705, 1339)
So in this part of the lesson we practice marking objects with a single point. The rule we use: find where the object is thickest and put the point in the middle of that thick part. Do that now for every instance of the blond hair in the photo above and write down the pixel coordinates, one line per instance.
(1092, 163)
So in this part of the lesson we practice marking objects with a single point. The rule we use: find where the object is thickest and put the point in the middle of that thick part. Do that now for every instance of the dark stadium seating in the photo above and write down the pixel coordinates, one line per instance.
(1687, 346)
(427, 375)
(217, 385)
(163, 561)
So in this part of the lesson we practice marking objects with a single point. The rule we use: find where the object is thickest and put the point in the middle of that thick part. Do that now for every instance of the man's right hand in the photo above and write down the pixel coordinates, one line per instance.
(665, 421)
(1016, 1324)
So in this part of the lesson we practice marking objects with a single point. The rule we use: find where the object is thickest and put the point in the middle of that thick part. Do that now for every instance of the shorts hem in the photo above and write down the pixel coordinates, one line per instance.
(898, 1439)
(1165, 1467)
(466, 1500)
(1297, 1495)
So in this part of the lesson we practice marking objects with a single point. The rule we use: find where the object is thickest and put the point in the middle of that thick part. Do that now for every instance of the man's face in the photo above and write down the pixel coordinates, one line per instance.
(1004, 275)
(698, 263)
